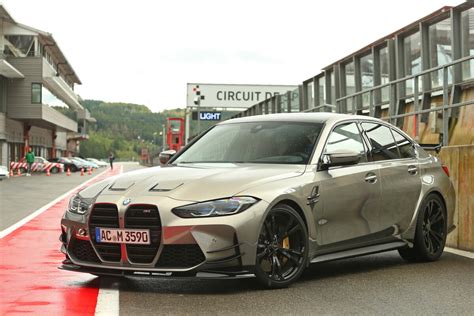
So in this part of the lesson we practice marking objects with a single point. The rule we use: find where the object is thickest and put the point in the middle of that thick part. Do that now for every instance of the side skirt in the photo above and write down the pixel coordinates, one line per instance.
(359, 251)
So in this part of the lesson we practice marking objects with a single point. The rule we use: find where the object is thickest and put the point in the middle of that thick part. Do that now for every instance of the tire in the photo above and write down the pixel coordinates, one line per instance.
(282, 248)
(73, 169)
(430, 233)
(54, 170)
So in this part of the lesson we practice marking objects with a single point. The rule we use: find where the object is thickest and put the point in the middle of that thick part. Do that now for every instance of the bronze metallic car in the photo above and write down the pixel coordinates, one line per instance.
(265, 196)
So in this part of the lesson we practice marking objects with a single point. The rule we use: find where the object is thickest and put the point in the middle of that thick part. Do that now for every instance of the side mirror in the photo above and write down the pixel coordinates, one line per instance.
(339, 157)
(166, 155)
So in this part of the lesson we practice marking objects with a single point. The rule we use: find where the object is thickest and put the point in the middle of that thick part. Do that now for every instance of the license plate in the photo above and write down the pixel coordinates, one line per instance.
(122, 236)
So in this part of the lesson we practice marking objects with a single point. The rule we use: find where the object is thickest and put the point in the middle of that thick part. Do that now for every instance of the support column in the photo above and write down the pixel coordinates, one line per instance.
(26, 138)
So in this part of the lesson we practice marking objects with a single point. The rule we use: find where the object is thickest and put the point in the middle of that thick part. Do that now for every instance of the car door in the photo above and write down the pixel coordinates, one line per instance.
(350, 195)
(399, 175)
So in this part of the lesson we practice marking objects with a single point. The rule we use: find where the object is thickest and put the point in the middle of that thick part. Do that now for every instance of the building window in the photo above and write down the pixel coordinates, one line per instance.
(322, 90)
(440, 50)
(384, 75)
(333, 88)
(349, 72)
(20, 45)
(36, 93)
(367, 76)
(309, 94)
(411, 58)
(467, 42)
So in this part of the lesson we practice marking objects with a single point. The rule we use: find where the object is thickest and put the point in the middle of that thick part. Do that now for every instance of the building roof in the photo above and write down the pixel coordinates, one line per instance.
(48, 40)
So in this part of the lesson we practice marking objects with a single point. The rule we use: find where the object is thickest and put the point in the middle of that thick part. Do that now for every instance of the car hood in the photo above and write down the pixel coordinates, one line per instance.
(196, 182)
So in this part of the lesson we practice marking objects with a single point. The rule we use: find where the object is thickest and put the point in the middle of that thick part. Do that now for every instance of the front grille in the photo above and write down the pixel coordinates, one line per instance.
(143, 217)
(82, 250)
(180, 256)
(105, 215)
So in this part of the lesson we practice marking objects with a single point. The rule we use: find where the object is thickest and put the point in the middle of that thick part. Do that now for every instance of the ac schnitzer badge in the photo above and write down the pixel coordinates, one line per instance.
(126, 201)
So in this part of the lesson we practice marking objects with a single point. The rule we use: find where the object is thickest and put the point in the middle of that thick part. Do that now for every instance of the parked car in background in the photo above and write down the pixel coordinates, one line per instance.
(98, 162)
(266, 196)
(3, 173)
(69, 164)
(87, 164)
(41, 164)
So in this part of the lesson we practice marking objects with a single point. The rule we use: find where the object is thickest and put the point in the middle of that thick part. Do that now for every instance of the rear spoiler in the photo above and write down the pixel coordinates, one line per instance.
(435, 147)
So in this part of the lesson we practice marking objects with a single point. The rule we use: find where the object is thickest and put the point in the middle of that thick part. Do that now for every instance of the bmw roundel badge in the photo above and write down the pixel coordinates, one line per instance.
(126, 201)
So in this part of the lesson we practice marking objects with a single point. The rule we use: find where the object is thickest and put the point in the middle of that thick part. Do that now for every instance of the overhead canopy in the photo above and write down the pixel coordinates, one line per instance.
(7, 70)
(59, 87)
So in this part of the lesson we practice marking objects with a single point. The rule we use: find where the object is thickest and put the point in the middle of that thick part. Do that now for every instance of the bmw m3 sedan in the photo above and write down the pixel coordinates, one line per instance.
(265, 196)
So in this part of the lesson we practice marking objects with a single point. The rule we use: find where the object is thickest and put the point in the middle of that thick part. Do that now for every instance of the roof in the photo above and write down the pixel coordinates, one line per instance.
(298, 117)
(48, 40)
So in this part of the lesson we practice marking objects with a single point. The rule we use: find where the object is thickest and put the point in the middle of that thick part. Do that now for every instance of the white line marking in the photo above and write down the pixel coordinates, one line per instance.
(108, 298)
(25, 220)
(458, 252)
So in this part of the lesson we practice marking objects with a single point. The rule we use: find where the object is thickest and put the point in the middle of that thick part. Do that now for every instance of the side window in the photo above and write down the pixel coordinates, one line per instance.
(381, 139)
(346, 136)
(404, 145)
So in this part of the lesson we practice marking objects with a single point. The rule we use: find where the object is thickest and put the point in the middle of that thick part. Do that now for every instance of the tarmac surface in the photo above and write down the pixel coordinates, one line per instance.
(370, 285)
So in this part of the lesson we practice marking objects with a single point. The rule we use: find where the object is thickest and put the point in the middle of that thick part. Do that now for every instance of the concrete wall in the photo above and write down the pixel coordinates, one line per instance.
(19, 91)
(14, 131)
(460, 160)
(41, 137)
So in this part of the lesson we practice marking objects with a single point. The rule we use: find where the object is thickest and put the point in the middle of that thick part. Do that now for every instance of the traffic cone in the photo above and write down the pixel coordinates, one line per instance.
(89, 172)
(18, 172)
(11, 172)
(48, 173)
(68, 173)
(82, 171)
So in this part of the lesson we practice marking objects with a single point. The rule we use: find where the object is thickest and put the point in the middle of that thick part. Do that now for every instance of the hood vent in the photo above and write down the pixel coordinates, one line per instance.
(164, 187)
(121, 186)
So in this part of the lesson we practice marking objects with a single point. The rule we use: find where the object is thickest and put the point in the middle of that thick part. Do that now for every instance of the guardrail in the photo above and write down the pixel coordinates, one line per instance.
(396, 93)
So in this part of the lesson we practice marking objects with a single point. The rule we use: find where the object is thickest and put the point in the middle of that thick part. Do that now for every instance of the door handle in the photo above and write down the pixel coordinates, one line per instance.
(412, 170)
(370, 177)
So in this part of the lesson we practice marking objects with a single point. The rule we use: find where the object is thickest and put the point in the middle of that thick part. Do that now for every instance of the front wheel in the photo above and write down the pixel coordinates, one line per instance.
(282, 249)
(431, 232)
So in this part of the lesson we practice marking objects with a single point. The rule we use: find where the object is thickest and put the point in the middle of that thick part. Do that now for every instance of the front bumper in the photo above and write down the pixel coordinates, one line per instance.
(222, 246)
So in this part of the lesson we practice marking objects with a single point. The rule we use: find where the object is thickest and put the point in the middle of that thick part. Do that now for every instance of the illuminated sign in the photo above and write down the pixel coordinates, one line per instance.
(207, 116)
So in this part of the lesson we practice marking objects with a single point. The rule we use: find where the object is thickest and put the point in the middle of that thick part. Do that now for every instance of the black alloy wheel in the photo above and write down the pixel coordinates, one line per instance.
(282, 249)
(431, 232)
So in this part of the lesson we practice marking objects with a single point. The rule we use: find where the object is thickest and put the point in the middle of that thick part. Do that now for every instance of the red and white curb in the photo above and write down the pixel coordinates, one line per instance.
(30, 281)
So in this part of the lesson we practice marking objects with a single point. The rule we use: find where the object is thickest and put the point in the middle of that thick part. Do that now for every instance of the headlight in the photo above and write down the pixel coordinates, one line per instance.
(80, 205)
(222, 207)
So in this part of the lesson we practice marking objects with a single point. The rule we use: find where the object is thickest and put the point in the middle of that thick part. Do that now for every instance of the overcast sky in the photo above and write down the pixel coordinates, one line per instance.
(146, 51)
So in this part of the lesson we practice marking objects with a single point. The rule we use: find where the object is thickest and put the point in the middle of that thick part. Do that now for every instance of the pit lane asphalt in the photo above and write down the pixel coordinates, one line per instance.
(370, 285)
(21, 196)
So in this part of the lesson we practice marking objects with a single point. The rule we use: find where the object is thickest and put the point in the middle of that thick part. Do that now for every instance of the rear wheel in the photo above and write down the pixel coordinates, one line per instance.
(73, 168)
(282, 249)
(54, 170)
(431, 232)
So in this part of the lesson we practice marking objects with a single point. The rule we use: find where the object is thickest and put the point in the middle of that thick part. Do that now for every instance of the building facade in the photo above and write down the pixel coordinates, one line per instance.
(420, 77)
(35, 76)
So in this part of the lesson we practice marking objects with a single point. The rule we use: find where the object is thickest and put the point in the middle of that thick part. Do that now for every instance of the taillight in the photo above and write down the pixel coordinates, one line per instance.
(446, 170)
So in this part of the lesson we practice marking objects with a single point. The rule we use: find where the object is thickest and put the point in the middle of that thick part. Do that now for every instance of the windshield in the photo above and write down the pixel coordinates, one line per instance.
(256, 142)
